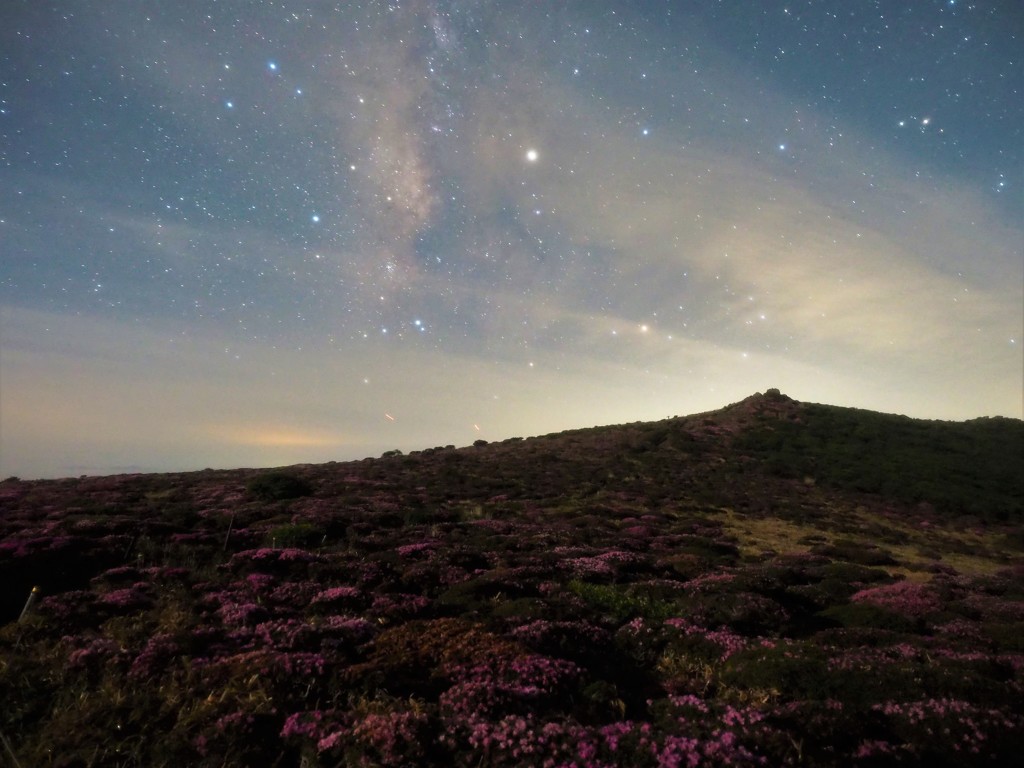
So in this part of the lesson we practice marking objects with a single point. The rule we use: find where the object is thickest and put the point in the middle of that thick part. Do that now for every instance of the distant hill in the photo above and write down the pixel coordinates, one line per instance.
(772, 583)
(973, 468)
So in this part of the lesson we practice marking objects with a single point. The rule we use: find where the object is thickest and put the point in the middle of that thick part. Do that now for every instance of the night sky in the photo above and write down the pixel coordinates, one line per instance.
(262, 233)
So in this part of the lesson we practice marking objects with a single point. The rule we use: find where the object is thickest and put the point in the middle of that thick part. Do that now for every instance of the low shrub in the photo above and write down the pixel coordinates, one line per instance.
(278, 486)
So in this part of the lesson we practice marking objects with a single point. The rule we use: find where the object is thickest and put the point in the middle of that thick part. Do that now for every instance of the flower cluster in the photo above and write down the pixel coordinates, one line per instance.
(950, 725)
(338, 596)
(506, 684)
(724, 641)
(902, 597)
(158, 652)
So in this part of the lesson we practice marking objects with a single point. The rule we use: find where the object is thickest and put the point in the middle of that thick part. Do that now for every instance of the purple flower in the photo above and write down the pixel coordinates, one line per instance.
(904, 597)
(127, 598)
(159, 650)
(338, 595)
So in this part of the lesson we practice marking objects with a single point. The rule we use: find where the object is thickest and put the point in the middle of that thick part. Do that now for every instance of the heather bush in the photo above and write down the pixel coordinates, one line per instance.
(289, 561)
(946, 731)
(386, 739)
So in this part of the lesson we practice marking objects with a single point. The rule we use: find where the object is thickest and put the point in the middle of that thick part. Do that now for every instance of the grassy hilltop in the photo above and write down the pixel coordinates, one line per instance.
(774, 583)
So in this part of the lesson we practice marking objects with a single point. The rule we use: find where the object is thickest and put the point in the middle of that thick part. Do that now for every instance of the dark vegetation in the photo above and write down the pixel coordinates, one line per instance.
(278, 486)
(970, 468)
(775, 583)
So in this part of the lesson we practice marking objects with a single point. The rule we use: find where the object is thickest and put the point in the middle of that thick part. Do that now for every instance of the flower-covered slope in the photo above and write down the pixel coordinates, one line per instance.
(776, 583)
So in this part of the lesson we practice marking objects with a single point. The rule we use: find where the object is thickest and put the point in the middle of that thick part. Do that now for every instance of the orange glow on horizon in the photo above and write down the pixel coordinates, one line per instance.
(276, 437)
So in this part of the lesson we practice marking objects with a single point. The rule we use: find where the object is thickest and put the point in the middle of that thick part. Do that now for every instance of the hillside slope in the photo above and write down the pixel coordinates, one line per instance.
(773, 583)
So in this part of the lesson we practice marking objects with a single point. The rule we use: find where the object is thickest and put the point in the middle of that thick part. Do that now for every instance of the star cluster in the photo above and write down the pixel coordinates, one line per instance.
(391, 224)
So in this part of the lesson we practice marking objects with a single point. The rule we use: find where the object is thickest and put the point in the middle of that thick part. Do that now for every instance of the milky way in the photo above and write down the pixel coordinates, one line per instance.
(263, 233)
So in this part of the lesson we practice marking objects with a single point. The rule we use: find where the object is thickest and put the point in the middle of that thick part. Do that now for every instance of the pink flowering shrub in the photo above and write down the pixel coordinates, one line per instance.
(286, 634)
(940, 729)
(291, 666)
(127, 599)
(561, 637)
(93, 653)
(287, 560)
(710, 581)
(393, 739)
(398, 606)
(354, 627)
(420, 548)
(338, 597)
(519, 740)
(507, 684)
(303, 724)
(903, 597)
(64, 606)
(604, 565)
(159, 652)
(292, 594)
(719, 643)
(239, 612)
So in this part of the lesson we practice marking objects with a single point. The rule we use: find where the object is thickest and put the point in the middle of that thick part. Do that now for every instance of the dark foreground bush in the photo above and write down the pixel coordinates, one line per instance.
(278, 486)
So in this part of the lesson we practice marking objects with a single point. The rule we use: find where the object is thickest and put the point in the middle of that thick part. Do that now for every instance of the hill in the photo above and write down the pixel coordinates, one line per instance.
(773, 583)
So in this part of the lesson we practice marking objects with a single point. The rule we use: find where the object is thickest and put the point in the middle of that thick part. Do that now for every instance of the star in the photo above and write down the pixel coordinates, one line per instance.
(532, 155)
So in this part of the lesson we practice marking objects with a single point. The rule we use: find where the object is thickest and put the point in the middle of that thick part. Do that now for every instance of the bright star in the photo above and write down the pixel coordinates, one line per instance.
(531, 155)
(316, 218)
